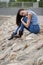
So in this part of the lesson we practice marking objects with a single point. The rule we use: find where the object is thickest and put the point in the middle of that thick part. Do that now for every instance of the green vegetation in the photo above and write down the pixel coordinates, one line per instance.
(13, 4)
(2, 4)
(27, 0)
(41, 4)
(19, 4)
(41, 0)
(23, 0)
(26, 3)
(12, 0)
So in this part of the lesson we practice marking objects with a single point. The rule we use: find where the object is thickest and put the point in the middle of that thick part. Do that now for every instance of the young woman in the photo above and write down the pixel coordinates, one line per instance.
(26, 19)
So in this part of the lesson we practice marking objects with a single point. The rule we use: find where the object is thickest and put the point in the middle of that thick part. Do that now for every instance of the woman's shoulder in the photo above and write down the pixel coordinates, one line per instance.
(30, 11)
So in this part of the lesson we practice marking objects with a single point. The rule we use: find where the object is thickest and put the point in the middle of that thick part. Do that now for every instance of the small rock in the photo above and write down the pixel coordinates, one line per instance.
(40, 61)
(12, 56)
(28, 62)
(14, 64)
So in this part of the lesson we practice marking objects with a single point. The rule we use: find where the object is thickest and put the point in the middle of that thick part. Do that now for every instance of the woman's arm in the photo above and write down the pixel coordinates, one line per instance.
(28, 21)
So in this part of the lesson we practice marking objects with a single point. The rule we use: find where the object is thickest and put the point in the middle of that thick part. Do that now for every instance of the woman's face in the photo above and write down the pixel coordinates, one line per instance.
(23, 13)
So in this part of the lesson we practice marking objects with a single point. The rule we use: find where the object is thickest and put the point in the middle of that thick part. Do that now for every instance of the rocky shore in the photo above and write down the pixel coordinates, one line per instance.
(27, 50)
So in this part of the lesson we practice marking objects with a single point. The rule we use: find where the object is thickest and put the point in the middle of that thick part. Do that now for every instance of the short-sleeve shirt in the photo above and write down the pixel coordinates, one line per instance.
(34, 18)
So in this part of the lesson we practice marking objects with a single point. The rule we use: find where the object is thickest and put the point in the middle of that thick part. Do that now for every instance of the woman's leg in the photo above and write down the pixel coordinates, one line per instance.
(19, 31)
(16, 30)
(32, 28)
(20, 28)
(14, 33)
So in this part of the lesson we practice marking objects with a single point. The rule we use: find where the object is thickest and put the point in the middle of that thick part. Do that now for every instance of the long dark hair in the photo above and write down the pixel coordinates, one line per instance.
(18, 17)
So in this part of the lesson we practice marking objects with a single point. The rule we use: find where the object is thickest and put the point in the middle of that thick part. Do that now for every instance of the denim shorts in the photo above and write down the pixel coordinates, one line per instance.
(34, 28)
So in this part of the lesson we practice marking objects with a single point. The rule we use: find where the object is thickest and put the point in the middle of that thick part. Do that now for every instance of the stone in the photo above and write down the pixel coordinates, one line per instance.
(28, 62)
(12, 55)
(27, 50)
(14, 64)
(5, 53)
(40, 61)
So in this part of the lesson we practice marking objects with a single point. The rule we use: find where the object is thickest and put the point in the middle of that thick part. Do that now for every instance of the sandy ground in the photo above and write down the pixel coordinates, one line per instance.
(27, 50)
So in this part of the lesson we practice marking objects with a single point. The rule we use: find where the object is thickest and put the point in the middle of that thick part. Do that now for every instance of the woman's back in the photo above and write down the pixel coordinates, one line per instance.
(34, 18)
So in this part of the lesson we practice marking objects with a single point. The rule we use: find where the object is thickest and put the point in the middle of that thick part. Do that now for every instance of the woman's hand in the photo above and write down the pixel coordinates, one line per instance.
(27, 24)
